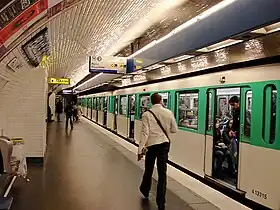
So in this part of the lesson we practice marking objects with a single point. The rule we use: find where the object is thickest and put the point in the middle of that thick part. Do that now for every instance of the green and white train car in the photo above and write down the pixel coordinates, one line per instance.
(197, 102)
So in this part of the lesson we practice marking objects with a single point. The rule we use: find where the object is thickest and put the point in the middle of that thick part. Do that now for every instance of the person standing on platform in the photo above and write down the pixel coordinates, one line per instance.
(59, 110)
(69, 114)
(157, 124)
(75, 114)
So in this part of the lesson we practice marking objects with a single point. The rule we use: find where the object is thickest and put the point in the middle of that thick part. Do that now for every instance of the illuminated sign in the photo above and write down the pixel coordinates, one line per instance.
(59, 81)
(134, 65)
(68, 92)
(107, 64)
(37, 48)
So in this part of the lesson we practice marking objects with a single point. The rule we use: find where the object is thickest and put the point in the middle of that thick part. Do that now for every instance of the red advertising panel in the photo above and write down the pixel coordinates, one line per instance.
(3, 51)
(60, 7)
(21, 20)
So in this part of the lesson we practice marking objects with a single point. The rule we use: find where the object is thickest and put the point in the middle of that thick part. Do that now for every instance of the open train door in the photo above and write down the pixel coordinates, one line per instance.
(131, 117)
(209, 131)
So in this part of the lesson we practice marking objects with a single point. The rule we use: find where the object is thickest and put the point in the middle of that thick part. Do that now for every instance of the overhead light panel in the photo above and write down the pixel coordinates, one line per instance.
(220, 45)
(86, 82)
(155, 66)
(188, 23)
(178, 59)
(268, 29)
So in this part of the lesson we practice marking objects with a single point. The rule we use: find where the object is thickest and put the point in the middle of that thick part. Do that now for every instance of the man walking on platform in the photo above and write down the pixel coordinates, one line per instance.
(59, 110)
(157, 124)
(69, 113)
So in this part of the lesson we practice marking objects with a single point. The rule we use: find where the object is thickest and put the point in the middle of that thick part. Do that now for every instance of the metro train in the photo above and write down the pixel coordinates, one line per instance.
(201, 107)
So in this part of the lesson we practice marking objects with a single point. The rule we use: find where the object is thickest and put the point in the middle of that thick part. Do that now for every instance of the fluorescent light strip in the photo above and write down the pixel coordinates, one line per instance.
(220, 45)
(98, 75)
(203, 15)
(268, 29)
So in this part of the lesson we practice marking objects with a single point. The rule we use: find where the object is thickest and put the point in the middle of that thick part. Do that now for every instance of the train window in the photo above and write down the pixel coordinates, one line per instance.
(209, 112)
(144, 104)
(132, 104)
(94, 103)
(123, 105)
(105, 103)
(247, 120)
(99, 100)
(165, 97)
(270, 105)
(188, 110)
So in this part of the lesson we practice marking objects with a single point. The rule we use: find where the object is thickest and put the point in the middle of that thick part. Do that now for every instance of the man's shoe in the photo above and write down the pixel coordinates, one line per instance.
(161, 207)
(146, 195)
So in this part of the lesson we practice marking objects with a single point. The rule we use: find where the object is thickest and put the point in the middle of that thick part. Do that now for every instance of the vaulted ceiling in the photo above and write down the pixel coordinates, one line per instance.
(78, 29)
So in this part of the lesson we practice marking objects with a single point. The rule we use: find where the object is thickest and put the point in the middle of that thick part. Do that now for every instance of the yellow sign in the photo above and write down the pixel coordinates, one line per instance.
(59, 81)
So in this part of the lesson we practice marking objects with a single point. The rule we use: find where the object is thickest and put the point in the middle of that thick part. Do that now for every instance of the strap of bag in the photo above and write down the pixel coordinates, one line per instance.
(160, 125)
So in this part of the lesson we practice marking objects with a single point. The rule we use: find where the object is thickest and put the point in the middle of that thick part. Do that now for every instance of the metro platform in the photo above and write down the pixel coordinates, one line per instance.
(90, 168)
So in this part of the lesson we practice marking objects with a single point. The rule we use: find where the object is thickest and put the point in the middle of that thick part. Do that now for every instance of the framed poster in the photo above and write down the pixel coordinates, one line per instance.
(37, 47)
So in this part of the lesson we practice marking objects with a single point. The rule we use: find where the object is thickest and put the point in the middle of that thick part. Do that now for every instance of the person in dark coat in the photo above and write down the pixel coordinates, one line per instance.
(69, 114)
(59, 110)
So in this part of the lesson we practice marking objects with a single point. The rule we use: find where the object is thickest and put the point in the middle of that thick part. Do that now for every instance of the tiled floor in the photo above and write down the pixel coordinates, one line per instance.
(85, 170)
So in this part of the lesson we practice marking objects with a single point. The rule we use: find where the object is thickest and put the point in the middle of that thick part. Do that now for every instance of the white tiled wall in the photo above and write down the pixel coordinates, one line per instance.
(23, 106)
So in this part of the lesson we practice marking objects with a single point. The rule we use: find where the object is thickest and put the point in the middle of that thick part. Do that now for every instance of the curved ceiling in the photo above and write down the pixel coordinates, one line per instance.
(91, 27)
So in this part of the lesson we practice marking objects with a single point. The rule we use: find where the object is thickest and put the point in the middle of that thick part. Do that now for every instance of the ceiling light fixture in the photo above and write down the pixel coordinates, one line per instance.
(203, 15)
(86, 82)
(220, 45)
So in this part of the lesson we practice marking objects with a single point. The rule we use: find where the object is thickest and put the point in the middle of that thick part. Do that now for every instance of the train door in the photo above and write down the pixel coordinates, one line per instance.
(211, 94)
(131, 112)
(223, 132)
(97, 108)
(91, 107)
(115, 113)
(87, 103)
(105, 109)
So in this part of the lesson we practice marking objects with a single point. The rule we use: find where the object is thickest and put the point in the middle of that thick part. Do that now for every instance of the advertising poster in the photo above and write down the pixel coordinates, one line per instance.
(64, 4)
(22, 19)
(11, 9)
(3, 50)
(38, 47)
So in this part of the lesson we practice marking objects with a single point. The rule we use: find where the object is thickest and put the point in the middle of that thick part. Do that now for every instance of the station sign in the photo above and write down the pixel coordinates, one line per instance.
(107, 64)
(68, 91)
(134, 65)
(59, 81)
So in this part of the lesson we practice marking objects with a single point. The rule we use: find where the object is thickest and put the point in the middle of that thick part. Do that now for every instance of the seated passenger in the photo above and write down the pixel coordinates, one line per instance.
(218, 152)
(221, 152)
(230, 140)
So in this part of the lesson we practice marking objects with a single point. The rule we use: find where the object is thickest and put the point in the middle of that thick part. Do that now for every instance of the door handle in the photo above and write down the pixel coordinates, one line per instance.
(242, 129)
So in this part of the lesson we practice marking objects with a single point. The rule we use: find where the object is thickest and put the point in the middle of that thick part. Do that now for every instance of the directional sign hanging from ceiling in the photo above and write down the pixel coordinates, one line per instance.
(107, 64)
(59, 81)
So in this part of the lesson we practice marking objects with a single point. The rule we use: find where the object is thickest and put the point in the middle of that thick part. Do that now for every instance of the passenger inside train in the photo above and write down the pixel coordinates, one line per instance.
(225, 139)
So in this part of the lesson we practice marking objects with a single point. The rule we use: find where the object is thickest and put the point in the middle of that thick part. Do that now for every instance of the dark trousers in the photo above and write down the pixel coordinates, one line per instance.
(71, 121)
(159, 152)
(58, 117)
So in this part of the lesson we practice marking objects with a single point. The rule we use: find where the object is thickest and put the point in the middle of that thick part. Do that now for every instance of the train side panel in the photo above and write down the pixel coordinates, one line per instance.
(187, 150)
(259, 174)
(122, 125)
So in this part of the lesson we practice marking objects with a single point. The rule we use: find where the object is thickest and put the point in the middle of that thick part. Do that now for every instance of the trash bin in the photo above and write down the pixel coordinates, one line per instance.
(18, 157)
